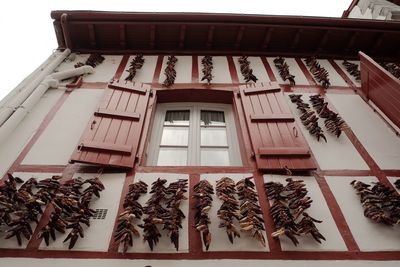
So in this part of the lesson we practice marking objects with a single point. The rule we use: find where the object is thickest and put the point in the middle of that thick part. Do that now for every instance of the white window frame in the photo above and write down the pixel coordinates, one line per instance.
(195, 109)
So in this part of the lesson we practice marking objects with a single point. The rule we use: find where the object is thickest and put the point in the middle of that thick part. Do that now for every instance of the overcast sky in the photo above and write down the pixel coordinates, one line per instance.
(27, 33)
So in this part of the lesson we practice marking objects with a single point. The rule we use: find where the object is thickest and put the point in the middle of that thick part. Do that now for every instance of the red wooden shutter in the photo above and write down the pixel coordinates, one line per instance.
(276, 142)
(113, 134)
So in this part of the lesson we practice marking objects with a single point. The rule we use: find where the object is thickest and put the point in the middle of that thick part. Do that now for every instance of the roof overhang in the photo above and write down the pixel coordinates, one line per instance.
(198, 33)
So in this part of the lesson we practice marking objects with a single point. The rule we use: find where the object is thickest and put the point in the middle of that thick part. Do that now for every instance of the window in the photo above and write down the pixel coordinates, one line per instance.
(194, 134)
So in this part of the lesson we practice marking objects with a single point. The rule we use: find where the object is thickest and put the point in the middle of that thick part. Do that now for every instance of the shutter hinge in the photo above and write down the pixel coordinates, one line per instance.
(238, 94)
(253, 155)
(151, 92)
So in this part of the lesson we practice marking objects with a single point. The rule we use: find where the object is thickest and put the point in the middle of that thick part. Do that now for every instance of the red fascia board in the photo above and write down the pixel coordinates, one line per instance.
(209, 18)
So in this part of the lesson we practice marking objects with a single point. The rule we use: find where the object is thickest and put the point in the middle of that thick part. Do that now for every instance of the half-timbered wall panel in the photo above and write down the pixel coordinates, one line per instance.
(220, 71)
(318, 210)
(375, 135)
(340, 64)
(334, 77)
(55, 145)
(12, 242)
(146, 73)
(258, 69)
(99, 234)
(336, 153)
(183, 69)
(14, 144)
(277, 144)
(220, 240)
(294, 69)
(103, 72)
(370, 236)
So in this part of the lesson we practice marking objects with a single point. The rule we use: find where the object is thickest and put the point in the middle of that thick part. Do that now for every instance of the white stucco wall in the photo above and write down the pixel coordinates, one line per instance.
(15, 143)
(337, 153)
(146, 73)
(370, 236)
(318, 210)
(294, 69)
(374, 134)
(102, 73)
(220, 241)
(183, 69)
(258, 69)
(164, 245)
(56, 144)
(98, 235)
(340, 62)
(220, 71)
(12, 242)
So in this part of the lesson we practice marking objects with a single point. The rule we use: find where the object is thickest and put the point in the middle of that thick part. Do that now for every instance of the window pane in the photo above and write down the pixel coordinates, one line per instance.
(214, 157)
(213, 118)
(177, 117)
(213, 136)
(172, 156)
(175, 136)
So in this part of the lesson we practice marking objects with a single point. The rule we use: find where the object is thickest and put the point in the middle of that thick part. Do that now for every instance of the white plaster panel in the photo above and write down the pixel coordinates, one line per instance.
(370, 236)
(102, 73)
(392, 180)
(98, 235)
(183, 69)
(294, 69)
(220, 241)
(351, 77)
(32, 262)
(220, 71)
(318, 210)
(334, 77)
(146, 73)
(337, 153)
(14, 144)
(56, 144)
(258, 69)
(374, 134)
(12, 242)
(164, 245)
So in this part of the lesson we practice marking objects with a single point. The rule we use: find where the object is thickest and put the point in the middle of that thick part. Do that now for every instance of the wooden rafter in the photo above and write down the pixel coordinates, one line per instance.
(182, 35)
(239, 36)
(210, 36)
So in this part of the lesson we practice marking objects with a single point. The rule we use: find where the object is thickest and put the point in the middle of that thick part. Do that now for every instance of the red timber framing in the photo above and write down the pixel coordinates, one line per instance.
(113, 134)
(277, 144)
(381, 87)
(195, 252)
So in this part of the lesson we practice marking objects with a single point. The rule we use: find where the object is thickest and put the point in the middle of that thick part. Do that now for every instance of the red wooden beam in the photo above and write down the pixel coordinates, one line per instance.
(296, 38)
(64, 25)
(239, 36)
(92, 35)
(210, 36)
(182, 35)
(152, 36)
(267, 37)
(122, 36)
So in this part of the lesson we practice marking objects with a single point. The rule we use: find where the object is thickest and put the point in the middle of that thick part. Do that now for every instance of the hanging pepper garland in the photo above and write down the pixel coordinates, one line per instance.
(170, 72)
(135, 65)
(245, 69)
(207, 63)
(283, 68)
(319, 72)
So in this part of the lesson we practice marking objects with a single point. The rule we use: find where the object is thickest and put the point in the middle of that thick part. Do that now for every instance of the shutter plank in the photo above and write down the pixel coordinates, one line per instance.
(117, 114)
(284, 151)
(129, 86)
(272, 117)
(263, 88)
(111, 147)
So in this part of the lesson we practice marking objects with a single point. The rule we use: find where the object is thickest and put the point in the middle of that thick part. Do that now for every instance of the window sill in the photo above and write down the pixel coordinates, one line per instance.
(196, 169)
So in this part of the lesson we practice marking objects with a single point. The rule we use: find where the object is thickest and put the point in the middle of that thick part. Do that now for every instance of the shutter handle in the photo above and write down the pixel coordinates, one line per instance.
(92, 124)
(295, 132)
(288, 171)
(80, 147)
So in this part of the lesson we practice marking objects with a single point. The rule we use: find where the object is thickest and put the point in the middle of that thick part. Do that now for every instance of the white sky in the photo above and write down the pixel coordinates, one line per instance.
(31, 38)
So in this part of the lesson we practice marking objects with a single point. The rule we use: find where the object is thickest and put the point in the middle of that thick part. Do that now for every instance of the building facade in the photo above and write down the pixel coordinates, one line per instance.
(295, 111)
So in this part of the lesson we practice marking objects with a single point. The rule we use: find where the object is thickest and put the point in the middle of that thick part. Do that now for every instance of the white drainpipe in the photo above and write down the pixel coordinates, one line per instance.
(20, 97)
(50, 81)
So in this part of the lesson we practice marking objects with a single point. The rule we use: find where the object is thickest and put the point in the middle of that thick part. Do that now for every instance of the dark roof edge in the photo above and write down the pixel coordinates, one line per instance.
(346, 13)
(107, 16)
